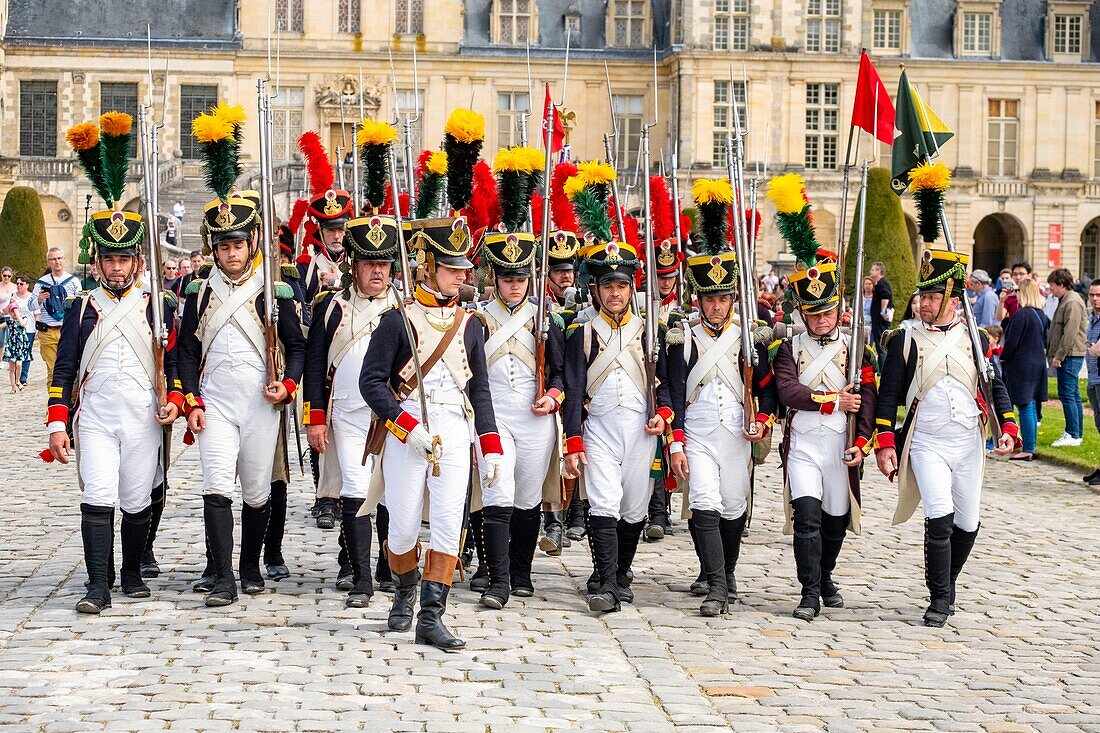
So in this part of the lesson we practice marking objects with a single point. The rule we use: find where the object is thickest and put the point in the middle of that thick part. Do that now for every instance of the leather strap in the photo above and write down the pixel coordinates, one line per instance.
(411, 384)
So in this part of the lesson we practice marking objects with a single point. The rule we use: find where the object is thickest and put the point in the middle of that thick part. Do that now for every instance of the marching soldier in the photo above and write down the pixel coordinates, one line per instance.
(931, 371)
(710, 448)
(106, 366)
(232, 407)
(450, 362)
(610, 436)
(820, 458)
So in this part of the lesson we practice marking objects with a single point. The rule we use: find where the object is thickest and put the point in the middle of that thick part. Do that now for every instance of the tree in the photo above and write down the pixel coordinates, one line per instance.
(23, 232)
(885, 240)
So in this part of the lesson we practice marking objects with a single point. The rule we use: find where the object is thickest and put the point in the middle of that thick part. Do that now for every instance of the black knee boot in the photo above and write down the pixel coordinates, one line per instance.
(209, 576)
(439, 570)
(382, 567)
(807, 555)
(521, 549)
(149, 566)
(629, 534)
(357, 536)
(496, 530)
(326, 513)
(712, 556)
(554, 539)
(345, 576)
(274, 563)
(98, 533)
(732, 530)
(253, 527)
(135, 532)
(962, 543)
(658, 512)
(405, 569)
(699, 586)
(479, 581)
(604, 542)
(217, 514)
(576, 519)
(937, 568)
(832, 539)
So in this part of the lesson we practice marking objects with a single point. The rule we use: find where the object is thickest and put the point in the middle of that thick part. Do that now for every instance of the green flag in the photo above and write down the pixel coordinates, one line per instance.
(920, 134)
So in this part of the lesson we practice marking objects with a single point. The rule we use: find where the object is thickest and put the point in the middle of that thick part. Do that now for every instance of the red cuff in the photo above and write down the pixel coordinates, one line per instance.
(176, 398)
(1011, 428)
(555, 394)
(57, 413)
(402, 426)
(665, 413)
(574, 444)
(828, 407)
(867, 375)
(765, 420)
(291, 388)
(313, 417)
(194, 402)
(861, 442)
(490, 443)
(885, 439)
(678, 436)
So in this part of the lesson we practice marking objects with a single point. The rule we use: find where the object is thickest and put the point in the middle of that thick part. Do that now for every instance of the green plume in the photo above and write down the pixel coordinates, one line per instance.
(798, 231)
(376, 159)
(714, 217)
(427, 198)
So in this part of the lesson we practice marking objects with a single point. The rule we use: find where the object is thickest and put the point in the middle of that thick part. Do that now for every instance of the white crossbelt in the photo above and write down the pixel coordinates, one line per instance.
(232, 304)
(822, 364)
(945, 349)
(362, 319)
(715, 354)
(117, 323)
(512, 325)
(615, 354)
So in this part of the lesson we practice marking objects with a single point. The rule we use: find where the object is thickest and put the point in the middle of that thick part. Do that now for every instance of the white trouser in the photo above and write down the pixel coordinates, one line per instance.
(406, 473)
(240, 434)
(719, 471)
(528, 442)
(119, 442)
(619, 455)
(815, 468)
(948, 467)
(349, 436)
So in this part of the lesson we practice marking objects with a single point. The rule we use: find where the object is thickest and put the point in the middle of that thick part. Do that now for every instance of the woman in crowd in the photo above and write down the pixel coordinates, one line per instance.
(7, 289)
(21, 310)
(1023, 360)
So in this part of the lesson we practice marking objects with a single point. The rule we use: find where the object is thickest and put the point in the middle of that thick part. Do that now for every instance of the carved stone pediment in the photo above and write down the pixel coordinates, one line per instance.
(344, 88)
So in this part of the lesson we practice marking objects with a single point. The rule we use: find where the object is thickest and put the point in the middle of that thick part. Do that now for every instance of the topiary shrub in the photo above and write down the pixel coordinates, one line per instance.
(23, 232)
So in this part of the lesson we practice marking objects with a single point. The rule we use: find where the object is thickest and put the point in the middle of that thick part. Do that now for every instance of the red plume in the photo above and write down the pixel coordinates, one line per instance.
(483, 210)
(731, 235)
(660, 204)
(685, 227)
(632, 235)
(321, 175)
(561, 209)
(297, 214)
(387, 204)
(537, 203)
(422, 162)
(753, 225)
(309, 241)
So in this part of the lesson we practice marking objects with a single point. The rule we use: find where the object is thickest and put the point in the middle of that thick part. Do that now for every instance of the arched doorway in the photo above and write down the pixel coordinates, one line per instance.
(999, 240)
(1090, 249)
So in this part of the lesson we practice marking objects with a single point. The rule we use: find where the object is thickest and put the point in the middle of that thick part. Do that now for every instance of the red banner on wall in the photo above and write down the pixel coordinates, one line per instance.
(1054, 246)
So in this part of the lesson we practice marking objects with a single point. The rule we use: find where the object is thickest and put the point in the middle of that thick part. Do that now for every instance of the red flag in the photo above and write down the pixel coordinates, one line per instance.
(864, 114)
(558, 141)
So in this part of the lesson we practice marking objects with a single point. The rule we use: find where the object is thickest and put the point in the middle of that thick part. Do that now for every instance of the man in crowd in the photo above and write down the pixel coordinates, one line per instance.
(1009, 302)
(171, 274)
(1066, 352)
(51, 290)
(882, 302)
(985, 301)
(1092, 351)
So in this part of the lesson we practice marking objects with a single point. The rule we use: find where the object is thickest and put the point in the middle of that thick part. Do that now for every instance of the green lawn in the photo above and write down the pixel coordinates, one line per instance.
(1086, 455)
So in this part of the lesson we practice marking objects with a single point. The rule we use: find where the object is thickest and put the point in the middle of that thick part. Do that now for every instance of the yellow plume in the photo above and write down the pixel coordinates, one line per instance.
(573, 186)
(531, 159)
(375, 133)
(928, 176)
(706, 191)
(231, 113)
(466, 126)
(437, 163)
(788, 192)
(84, 136)
(505, 160)
(210, 129)
(115, 124)
(595, 172)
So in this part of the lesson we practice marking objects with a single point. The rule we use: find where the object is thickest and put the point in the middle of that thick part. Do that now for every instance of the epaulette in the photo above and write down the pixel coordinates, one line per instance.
(773, 349)
(556, 318)
(675, 317)
(480, 316)
(762, 333)
(193, 287)
(171, 299)
(675, 334)
(572, 328)
(204, 270)
(884, 339)
(321, 296)
(69, 300)
(283, 291)
(290, 272)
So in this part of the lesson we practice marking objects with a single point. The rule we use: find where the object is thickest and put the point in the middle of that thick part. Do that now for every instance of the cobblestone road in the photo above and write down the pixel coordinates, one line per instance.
(1023, 653)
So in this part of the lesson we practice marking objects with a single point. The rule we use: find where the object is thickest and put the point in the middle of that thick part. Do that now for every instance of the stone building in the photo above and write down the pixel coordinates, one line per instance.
(1015, 79)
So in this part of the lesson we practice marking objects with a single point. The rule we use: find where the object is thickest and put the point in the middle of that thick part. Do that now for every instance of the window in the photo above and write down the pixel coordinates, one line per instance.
(1003, 126)
(573, 24)
(38, 118)
(289, 15)
(822, 114)
(977, 32)
(723, 116)
(410, 17)
(628, 113)
(509, 107)
(731, 25)
(1067, 34)
(514, 21)
(348, 16)
(408, 101)
(1090, 248)
(194, 100)
(823, 26)
(887, 30)
(1096, 144)
(286, 123)
(627, 23)
(120, 97)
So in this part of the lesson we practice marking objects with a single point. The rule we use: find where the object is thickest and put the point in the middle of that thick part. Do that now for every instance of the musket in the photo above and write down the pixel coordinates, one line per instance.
(609, 152)
(147, 131)
(270, 261)
(356, 193)
(675, 185)
(343, 146)
(406, 280)
(735, 160)
(524, 114)
(856, 341)
(406, 128)
(653, 299)
(542, 313)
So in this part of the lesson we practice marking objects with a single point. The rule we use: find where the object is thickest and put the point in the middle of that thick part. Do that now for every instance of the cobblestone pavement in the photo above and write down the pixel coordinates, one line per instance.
(1023, 653)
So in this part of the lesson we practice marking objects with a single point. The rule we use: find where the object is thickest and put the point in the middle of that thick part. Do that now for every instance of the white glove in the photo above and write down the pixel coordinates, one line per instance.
(492, 470)
(421, 442)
